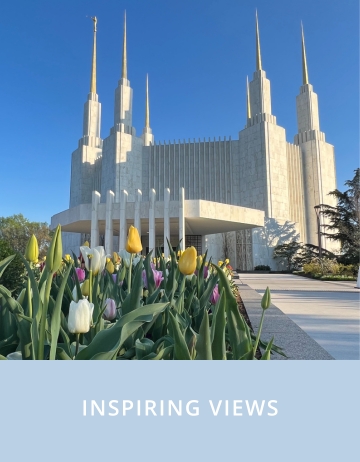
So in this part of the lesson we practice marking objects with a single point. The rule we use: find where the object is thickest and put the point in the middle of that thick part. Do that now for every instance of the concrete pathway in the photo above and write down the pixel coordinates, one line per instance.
(327, 311)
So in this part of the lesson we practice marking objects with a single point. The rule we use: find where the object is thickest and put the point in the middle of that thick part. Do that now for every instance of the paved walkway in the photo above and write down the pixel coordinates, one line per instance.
(327, 311)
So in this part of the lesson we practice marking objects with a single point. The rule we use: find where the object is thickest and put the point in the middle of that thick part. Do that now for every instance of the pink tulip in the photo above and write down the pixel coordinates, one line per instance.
(110, 310)
(158, 277)
(80, 273)
(215, 295)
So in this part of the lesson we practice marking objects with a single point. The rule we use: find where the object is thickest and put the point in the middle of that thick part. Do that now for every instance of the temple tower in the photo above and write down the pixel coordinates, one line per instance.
(122, 150)
(318, 158)
(89, 148)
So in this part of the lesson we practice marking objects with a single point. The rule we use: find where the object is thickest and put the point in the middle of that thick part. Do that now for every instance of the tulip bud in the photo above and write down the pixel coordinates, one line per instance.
(133, 244)
(187, 261)
(80, 316)
(110, 267)
(54, 254)
(199, 261)
(85, 288)
(116, 258)
(32, 250)
(110, 310)
(266, 300)
(215, 295)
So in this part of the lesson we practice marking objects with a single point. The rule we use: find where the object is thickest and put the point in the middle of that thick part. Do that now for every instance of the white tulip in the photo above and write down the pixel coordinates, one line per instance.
(80, 316)
(97, 258)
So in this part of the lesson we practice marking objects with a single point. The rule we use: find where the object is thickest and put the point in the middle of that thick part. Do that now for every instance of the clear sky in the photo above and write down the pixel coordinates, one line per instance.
(197, 53)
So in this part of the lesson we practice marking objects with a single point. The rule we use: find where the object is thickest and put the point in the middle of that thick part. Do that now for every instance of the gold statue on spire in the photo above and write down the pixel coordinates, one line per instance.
(147, 111)
(93, 67)
(124, 61)
(248, 110)
(258, 54)
(304, 63)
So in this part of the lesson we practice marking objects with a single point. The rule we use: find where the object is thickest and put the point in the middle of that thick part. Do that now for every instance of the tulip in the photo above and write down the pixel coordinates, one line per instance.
(187, 261)
(199, 261)
(125, 256)
(158, 277)
(206, 272)
(67, 258)
(80, 273)
(227, 261)
(54, 254)
(115, 258)
(133, 244)
(80, 316)
(86, 244)
(220, 263)
(266, 299)
(32, 250)
(110, 266)
(110, 310)
(85, 288)
(215, 295)
(96, 256)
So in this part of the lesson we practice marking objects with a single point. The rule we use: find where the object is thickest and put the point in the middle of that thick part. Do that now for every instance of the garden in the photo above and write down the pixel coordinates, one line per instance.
(125, 306)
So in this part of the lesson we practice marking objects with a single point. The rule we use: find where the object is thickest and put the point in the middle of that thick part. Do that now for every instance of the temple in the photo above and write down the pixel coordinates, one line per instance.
(237, 198)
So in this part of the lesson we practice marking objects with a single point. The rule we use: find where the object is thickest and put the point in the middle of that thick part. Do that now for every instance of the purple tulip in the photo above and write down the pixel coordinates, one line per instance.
(206, 272)
(114, 277)
(158, 277)
(110, 310)
(215, 295)
(80, 273)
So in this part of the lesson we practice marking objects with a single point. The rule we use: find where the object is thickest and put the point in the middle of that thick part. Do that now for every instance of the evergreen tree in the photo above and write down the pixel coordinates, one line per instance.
(344, 220)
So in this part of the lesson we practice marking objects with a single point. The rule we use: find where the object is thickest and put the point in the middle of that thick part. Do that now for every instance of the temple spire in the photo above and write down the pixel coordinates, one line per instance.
(304, 63)
(147, 111)
(258, 53)
(93, 66)
(124, 60)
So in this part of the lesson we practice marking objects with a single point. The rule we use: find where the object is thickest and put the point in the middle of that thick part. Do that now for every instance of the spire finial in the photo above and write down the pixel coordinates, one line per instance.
(248, 110)
(304, 63)
(124, 61)
(147, 111)
(93, 67)
(258, 54)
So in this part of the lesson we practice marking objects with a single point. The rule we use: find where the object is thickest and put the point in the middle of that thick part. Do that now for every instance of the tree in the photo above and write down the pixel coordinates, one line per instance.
(16, 231)
(344, 220)
(289, 253)
(12, 277)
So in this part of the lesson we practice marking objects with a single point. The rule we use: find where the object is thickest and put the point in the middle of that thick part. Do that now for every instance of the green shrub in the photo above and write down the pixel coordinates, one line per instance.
(262, 268)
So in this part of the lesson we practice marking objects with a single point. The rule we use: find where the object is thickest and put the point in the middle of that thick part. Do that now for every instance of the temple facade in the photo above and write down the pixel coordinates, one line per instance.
(237, 198)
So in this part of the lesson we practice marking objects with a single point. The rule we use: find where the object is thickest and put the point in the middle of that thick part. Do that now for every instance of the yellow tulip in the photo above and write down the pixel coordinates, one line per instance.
(116, 258)
(187, 262)
(133, 244)
(86, 244)
(32, 250)
(220, 263)
(227, 261)
(110, 266)
(199, 261)
(67, 258)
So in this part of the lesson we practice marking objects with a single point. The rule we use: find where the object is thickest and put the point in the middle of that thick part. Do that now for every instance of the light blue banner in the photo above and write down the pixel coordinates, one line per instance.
(309, 411)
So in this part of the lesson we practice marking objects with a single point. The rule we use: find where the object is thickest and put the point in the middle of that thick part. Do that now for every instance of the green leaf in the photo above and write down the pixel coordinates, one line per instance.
(180, 348)
(108, 342)
(267, 353)
(5, 263)
(239, 333)
(132, 300)
(56, 315)
(203, 344)
(61, 354)
(2, 358)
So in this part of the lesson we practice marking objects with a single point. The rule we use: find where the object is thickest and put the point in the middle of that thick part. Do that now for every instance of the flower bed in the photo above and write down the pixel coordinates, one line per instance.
(126, 307)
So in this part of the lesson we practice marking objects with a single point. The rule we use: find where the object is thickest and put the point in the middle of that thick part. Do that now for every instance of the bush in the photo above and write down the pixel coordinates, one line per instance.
(262, 268)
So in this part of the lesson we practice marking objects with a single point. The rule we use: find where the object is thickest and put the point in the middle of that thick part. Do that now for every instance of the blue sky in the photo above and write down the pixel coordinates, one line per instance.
(197, 53)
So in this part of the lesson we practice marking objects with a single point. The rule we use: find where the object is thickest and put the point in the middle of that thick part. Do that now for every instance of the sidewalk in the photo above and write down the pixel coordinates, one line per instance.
(327, 311)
